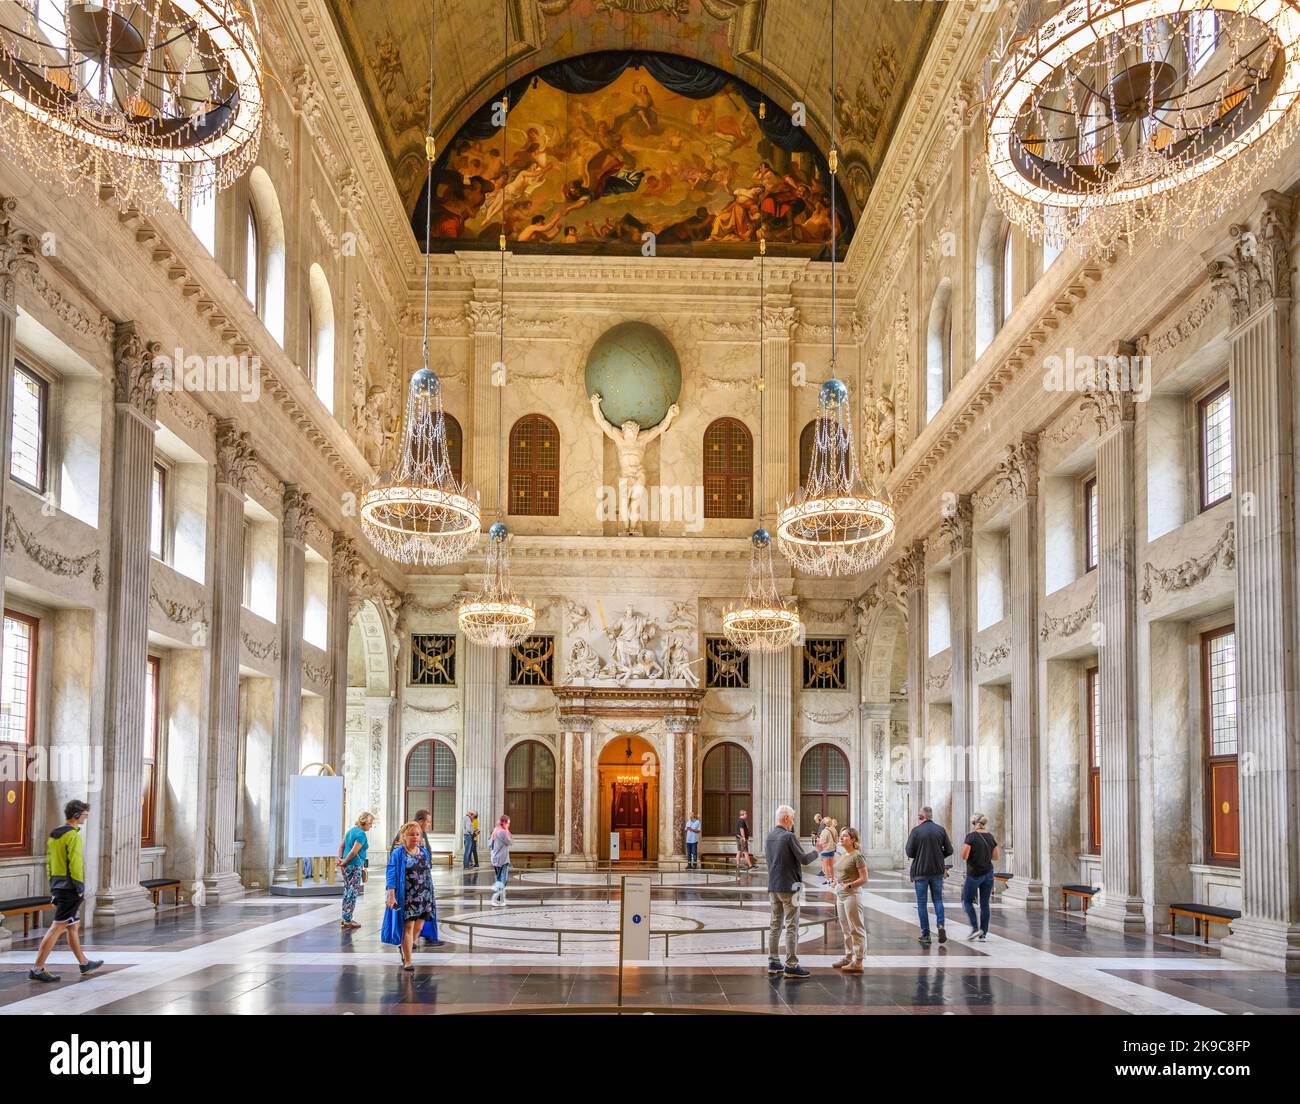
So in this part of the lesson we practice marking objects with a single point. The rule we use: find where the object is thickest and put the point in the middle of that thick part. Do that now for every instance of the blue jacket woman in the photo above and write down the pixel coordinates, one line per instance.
(410, 901)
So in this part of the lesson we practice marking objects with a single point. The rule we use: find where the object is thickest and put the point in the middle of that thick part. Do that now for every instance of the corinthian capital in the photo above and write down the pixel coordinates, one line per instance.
(780, 321)
(235, 456)
(483, 317)
(17, 250)
(1256, 267)
(910, 567)
(956, 525)
(296, 512)
(133, 370)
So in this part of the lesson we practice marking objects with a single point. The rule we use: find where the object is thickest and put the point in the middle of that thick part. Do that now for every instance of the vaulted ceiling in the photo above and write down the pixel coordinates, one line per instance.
(782, 47)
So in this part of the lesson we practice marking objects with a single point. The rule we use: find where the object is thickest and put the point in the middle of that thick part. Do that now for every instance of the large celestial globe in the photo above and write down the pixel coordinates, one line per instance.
(634, 370)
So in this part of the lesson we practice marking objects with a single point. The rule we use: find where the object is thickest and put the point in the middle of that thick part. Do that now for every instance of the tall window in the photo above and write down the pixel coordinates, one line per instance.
(320, 329)
(252, 255)
(149, 796)
(203, 220)
(938, 351)
(1091, 546)
(1093, 736)
(823, 786)
(1214, 418)
(431, 784)
(157, 511)
(17, 732)
(30, 413)
(1219, 708)
(530, 789)
(1007, 298)
(535, 466)
(455, 444)
(728, 787)
(728, 470)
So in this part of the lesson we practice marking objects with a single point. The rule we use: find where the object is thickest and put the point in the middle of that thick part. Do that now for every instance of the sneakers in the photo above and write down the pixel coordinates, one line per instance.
(841, 963)
(773, 966)
(42, 975)
(91, 964)
(983, 936)
(797, 972)
(924, 940)
(974, 933)
(943, 935)
(854, 967)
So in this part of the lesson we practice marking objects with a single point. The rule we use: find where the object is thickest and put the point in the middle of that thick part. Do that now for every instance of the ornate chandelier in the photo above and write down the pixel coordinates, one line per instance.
(765, 622)
(421, 514)
(496, 617)
(1108, 118)
(835, 524)
(153, 98)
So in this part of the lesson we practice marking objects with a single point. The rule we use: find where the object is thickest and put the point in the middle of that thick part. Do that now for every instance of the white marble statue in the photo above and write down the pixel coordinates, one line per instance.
(629, 638)
(678, 661)
(584, 663)
(631, 441)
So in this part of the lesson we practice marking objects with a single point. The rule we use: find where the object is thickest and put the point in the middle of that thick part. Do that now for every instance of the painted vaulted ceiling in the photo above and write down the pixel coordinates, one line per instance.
(692, 151)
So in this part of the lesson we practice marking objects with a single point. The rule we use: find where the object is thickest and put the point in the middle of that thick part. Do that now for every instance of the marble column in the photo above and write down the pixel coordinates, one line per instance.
(484, 449)
(343, 573)
(873, 770)
(1254, 274)
(574, 740)
(957, 531)
(776, 753)
(119, 898)
(234, 464)
(911, 577)
(17, 253)
(479, 771)
(286, 756)
(681, 744)
(1119, 906)
(1020, 468)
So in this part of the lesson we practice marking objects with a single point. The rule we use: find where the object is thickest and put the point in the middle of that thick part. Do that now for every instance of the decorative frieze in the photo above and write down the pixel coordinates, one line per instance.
(56, 563)
(1192, 571)
(179, 613)
(264, 650)
(1070, 623)
(993, 657)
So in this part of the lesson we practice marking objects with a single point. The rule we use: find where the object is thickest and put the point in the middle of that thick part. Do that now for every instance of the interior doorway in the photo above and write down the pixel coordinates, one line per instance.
(628, 798)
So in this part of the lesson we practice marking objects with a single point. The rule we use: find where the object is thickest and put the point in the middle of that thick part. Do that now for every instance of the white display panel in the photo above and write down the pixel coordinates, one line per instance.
(315, 816)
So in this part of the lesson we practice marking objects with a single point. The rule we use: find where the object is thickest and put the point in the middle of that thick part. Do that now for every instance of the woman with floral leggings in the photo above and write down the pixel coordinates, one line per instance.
(352, 865)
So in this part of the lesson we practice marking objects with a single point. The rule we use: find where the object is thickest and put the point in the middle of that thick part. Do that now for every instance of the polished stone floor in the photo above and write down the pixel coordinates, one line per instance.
(278, 955)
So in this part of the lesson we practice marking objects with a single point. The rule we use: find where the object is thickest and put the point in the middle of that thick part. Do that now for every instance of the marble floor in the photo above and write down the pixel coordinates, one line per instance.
(279, 955)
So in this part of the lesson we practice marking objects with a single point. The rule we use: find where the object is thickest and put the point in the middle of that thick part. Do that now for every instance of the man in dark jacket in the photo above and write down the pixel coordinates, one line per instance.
(785, 863)
(927, 846)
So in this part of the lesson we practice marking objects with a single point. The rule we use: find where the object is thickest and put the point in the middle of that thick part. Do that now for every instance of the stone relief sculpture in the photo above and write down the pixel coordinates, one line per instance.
(584, 663)
(678, 660)
(631, 441)
(377, 428)
(629, 638)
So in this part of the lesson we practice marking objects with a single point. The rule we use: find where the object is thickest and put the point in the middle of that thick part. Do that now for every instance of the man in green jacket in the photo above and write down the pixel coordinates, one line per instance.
(65, 858)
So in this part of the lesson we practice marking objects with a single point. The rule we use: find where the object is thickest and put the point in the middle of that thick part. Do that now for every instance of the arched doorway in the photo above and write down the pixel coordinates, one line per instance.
(627, 799)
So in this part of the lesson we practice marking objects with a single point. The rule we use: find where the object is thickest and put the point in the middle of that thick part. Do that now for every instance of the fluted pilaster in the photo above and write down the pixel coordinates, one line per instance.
(485, 450)
(479, 772)
(778, 321)
(777, 784)
(911, 576)
(956, 529)
(343, 574)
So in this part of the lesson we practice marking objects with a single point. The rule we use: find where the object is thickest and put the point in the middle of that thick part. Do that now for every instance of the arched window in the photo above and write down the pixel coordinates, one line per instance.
(455, 445)
(530, 789)
(807, 441)
(728, 787)
(431, 784)
(264, 260)
(1007, 298)
(938, 350)
(320, 341)
(728, 470)
(535, 466)
(823, 786)
(994, 273)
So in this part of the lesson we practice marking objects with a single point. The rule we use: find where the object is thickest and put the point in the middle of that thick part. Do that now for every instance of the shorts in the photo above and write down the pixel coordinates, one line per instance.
(742, 845)
(67, 907)
(827, 855)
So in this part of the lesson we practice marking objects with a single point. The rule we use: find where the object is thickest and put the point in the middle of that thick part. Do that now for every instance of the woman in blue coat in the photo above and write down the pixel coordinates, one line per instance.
(410, 892)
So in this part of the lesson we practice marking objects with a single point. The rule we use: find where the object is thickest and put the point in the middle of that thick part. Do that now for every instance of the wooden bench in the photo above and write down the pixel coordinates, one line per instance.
(1202, 916)
(158, 886)
(1083, 892)
(718, 857)
(528, 858)
(26, 907)
(440, 856)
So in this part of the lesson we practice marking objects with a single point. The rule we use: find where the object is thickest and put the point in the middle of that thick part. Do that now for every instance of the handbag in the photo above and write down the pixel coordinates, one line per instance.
(391, 930)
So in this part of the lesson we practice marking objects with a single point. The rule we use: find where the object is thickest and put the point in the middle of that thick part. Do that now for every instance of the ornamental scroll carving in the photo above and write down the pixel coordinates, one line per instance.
(259, 650)
(56, 563)
(1191, 571)
(179, 613)
(1070, 623)
(999, 653)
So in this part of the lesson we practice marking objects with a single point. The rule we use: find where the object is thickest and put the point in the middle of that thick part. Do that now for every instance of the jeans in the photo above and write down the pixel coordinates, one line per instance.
(785, 913)
(982, 884)
(692, 855)
(935, 886)
(469, 848)
(503, 876)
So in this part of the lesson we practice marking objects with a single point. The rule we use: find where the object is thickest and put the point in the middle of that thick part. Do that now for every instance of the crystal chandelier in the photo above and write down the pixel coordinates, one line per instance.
(153, 98)
(835, 524)
(1113, 118)
(764, 622)
(496, 617)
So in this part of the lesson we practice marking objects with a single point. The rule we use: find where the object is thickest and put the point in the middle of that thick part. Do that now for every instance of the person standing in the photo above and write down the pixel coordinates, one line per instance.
(424, 821)
(409, 882)
(65, 863)
(473, 855)
(817, 829)
(692, 842)
(785, 863)
(500, 844)
(979, 851)
(744, 860)
(352, 865)
(850, 877)
(826, 850)
(927, 846)
(467, 834)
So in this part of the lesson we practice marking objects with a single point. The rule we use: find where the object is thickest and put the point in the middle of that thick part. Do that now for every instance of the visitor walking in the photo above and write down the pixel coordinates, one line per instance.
(979, 851)
(692, 842)
(467, 833)
(927, 846)
(65, 863)
(352, 865)
(409, 882)
(424, 820)
(500, 844)
(850, 877)
(826, 850)
(785, 863)
(744, 860)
